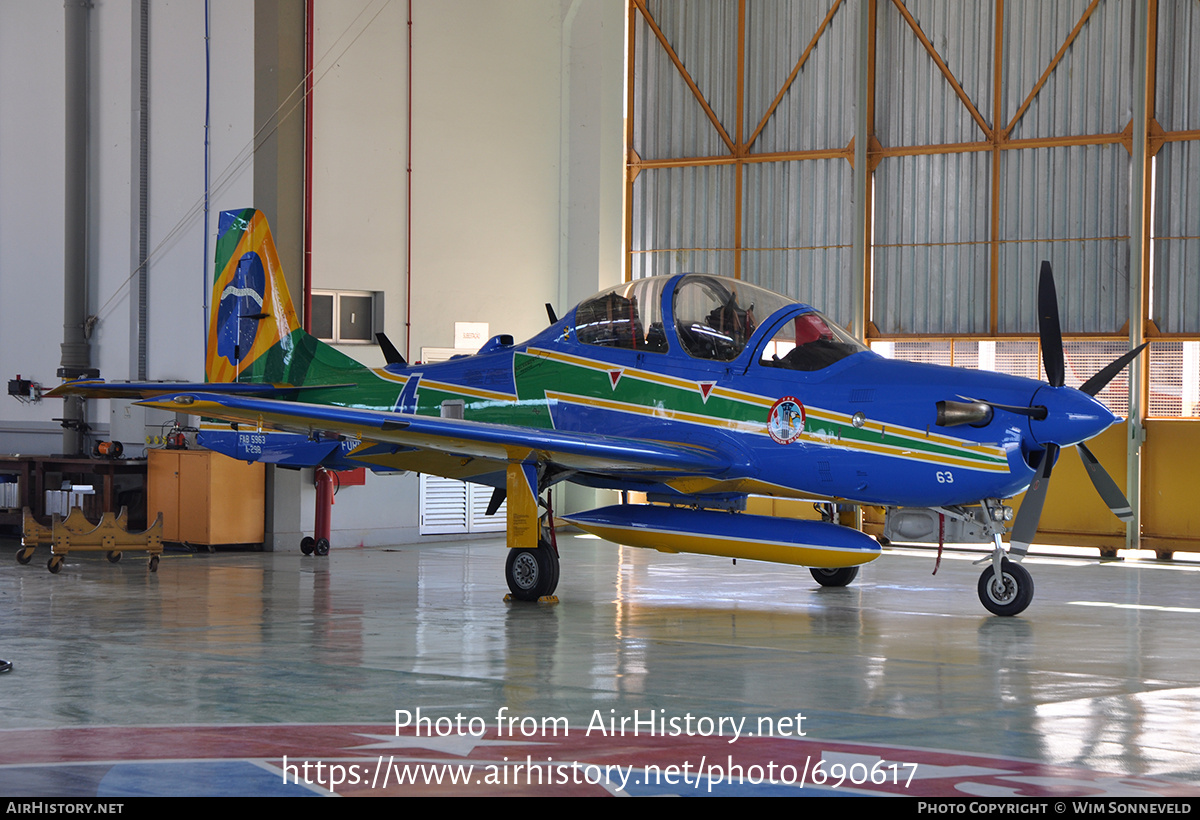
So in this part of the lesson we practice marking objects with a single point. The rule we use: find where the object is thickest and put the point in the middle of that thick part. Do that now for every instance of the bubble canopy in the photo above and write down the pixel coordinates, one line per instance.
(712, 318)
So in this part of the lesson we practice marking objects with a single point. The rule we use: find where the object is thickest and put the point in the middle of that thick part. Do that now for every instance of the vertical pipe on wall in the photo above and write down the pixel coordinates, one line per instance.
(76, 353)
(739, 148)
(1138, 233)
(408, 203)
(628, 152)
(565, 57)
(997, 136)
(143, 113)
(861, 176)
(309, 37)
(207, 169)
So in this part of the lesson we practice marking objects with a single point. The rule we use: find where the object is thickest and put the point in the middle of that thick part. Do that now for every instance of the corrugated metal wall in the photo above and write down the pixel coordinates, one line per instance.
(931, 244)
(1175, 249)
(720, 215)
(932, 210)
(684, 218)
(808, 116)
(1002, 135)
(999, 133)
(802, 251)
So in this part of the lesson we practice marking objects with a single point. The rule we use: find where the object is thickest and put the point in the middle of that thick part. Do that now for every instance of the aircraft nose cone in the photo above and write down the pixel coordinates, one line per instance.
(1071, 416)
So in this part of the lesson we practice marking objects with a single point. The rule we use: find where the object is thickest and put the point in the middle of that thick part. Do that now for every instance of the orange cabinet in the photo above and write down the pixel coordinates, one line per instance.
(206, 498)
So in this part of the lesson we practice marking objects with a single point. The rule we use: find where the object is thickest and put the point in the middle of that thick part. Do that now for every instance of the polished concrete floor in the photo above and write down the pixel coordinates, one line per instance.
(226, 673)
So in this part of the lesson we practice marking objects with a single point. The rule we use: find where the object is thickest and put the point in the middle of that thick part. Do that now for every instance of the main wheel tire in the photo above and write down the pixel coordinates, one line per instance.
(532, 573)
(838, 577)
(555, 567)
(1014, 594)
(321, 547)
(307, 544)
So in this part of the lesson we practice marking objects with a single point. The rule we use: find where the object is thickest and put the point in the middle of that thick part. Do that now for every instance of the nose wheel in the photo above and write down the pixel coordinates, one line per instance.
(1009, 594)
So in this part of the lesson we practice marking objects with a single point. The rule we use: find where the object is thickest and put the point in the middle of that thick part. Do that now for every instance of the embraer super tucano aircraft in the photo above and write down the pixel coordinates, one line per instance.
(697, 390)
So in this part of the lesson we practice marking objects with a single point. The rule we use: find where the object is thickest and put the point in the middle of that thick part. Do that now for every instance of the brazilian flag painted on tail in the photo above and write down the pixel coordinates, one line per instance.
(254, 334)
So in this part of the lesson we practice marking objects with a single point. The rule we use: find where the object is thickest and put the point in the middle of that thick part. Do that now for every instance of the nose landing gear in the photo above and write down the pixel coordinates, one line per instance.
(1008, 594)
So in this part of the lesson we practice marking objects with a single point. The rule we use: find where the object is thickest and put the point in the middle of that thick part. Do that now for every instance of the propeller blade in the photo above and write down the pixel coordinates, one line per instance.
(1049, 329)
(1102, 481)
(1099, 381)
(1025, 527)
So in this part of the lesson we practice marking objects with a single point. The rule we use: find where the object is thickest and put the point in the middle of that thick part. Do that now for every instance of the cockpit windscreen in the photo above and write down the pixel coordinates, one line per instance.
(808, 342)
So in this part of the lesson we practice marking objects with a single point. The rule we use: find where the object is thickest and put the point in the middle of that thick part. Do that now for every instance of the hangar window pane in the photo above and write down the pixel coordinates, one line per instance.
(1171, 392)
(322, 316)
(354, 318)
(1086, 357)
(1174, 380)
(346, 317)
(925, 352)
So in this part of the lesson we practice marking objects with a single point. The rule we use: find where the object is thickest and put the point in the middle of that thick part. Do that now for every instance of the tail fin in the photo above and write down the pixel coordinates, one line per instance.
(253, 333)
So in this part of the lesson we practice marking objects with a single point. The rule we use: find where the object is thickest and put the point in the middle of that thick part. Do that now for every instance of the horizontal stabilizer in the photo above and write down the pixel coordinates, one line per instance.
(98, 389)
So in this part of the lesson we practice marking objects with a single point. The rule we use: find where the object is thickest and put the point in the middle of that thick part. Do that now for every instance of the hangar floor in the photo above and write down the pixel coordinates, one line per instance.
(226, 673)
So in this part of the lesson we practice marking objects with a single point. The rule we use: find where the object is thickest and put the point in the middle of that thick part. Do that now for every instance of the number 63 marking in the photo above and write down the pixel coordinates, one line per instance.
(944, 477)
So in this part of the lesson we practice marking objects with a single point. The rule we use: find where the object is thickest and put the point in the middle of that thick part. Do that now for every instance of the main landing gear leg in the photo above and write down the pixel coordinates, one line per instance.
(1006, 587)
(532, 567)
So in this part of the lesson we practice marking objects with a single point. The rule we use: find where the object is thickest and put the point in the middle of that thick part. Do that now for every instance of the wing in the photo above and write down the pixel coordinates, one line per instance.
(499, 444)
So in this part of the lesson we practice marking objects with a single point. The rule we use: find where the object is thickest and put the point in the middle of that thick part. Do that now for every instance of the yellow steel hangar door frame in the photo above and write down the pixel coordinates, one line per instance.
(997, 133)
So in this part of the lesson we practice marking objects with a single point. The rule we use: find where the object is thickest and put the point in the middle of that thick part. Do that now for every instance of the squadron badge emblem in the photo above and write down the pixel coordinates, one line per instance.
(786, 422)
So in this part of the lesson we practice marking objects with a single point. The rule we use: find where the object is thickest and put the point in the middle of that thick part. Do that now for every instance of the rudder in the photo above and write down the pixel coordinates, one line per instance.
(251, 312)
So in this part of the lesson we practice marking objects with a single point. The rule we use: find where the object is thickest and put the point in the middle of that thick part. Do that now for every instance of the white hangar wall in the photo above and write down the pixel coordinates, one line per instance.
(516, 185)
(515, 116)
(32, 190)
